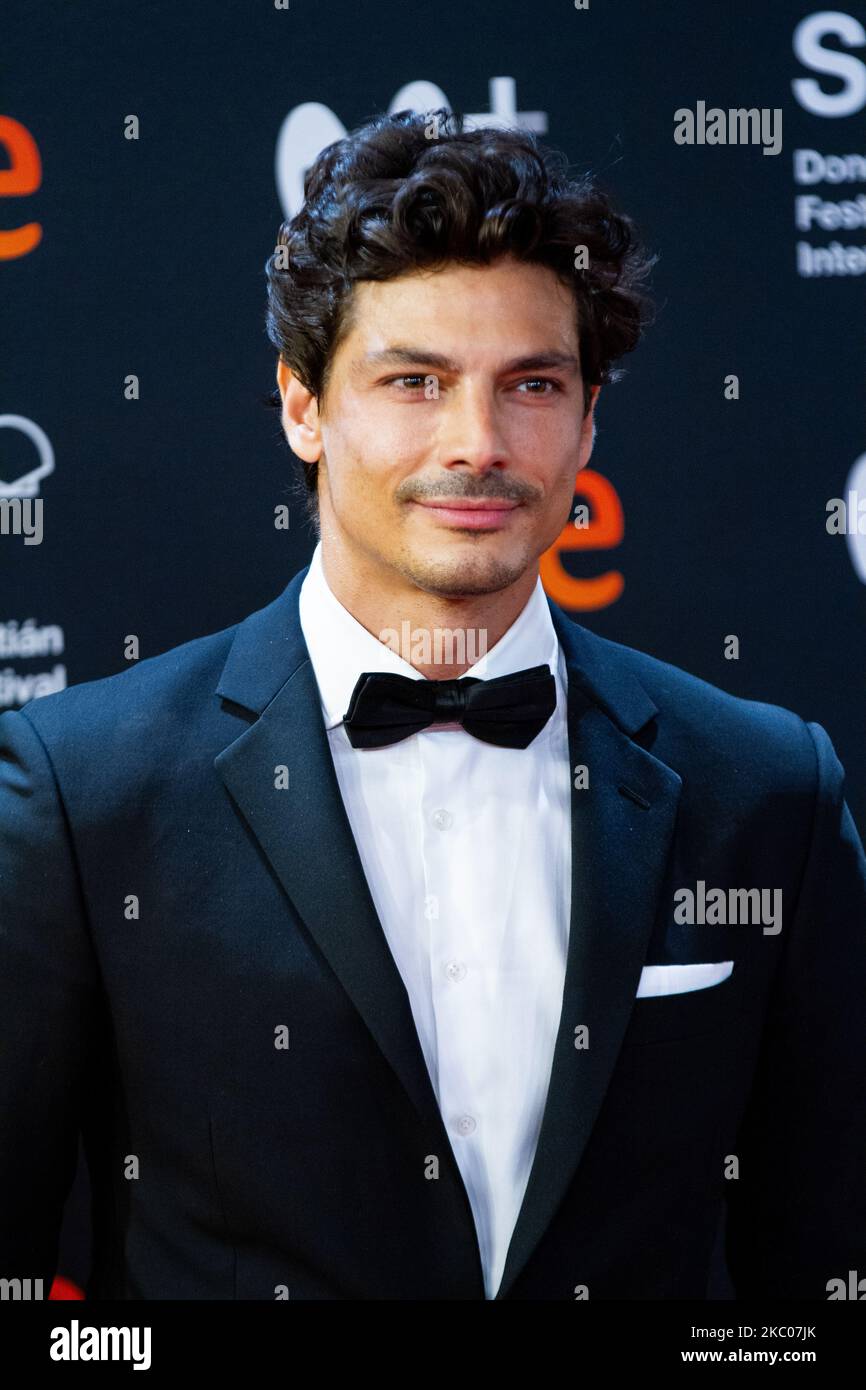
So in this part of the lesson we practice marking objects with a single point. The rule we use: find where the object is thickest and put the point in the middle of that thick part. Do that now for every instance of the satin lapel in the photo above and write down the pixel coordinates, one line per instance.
(622, 826)
(305, 833)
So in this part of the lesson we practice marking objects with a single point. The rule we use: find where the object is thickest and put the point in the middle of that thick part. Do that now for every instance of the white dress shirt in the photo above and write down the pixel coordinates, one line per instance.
(466, 849)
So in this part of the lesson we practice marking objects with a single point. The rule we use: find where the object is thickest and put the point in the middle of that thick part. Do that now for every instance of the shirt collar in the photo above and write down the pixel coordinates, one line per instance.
(341, 648)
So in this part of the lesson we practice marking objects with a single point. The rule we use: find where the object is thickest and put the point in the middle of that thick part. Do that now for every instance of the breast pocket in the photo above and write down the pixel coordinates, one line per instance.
(669, 1017)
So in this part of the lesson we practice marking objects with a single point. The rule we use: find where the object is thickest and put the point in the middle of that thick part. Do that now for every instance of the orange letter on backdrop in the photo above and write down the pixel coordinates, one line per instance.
(606, 528)
(24, 175)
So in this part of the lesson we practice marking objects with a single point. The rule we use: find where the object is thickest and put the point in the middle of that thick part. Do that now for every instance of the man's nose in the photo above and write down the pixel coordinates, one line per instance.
(473, 429)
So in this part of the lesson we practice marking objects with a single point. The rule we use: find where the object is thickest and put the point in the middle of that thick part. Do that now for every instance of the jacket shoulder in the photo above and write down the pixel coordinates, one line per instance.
(166, 688)
(699, 724)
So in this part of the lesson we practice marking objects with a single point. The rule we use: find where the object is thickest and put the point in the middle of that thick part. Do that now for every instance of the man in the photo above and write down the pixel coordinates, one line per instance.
(408, 940)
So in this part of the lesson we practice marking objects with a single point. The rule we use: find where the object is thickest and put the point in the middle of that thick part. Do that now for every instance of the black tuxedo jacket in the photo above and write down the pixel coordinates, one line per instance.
(172, 915)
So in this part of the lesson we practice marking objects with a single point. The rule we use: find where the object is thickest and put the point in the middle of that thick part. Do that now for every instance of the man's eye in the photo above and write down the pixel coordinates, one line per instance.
(419, 380)
(540, 381)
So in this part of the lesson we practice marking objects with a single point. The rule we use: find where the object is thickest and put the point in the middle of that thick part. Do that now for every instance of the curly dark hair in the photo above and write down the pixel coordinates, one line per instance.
(411, 191)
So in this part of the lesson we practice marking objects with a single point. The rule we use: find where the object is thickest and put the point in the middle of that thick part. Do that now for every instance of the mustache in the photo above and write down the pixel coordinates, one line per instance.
(487, 489)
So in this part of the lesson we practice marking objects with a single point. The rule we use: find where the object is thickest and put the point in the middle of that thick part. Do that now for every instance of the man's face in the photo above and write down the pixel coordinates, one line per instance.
(460, 385)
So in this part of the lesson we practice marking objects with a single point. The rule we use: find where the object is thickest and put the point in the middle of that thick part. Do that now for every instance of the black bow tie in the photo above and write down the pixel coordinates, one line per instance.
(508, 711)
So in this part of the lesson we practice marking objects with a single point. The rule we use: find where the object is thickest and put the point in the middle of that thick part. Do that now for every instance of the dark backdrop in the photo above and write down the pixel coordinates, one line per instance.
(146, 256)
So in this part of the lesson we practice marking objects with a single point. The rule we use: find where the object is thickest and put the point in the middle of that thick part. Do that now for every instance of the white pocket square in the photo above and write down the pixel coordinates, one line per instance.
(679, 979)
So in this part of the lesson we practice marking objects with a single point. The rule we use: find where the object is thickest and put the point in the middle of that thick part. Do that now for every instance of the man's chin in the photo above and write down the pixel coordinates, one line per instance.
(465, 575)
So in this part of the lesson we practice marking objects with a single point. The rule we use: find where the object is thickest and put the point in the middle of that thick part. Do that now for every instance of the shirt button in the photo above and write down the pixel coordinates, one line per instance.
(465, 1125)
(443, 820)
(455, 970)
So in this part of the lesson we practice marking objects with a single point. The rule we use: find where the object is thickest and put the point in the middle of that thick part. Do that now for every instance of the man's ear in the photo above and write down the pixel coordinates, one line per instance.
(594, 392)
(299, 415)
(587, 433)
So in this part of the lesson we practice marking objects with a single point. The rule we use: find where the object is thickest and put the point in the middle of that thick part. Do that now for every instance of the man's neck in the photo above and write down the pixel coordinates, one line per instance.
(440, 636)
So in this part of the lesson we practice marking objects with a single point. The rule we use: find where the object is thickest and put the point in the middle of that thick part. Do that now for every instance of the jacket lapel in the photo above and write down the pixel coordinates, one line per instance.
(622, 826)
(304, 831)
(621, 830)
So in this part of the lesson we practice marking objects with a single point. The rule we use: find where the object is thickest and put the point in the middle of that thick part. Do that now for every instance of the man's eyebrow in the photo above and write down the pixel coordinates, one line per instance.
(401, 355)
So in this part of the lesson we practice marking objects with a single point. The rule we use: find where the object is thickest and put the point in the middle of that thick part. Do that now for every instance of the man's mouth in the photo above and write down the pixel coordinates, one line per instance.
(473, 513)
